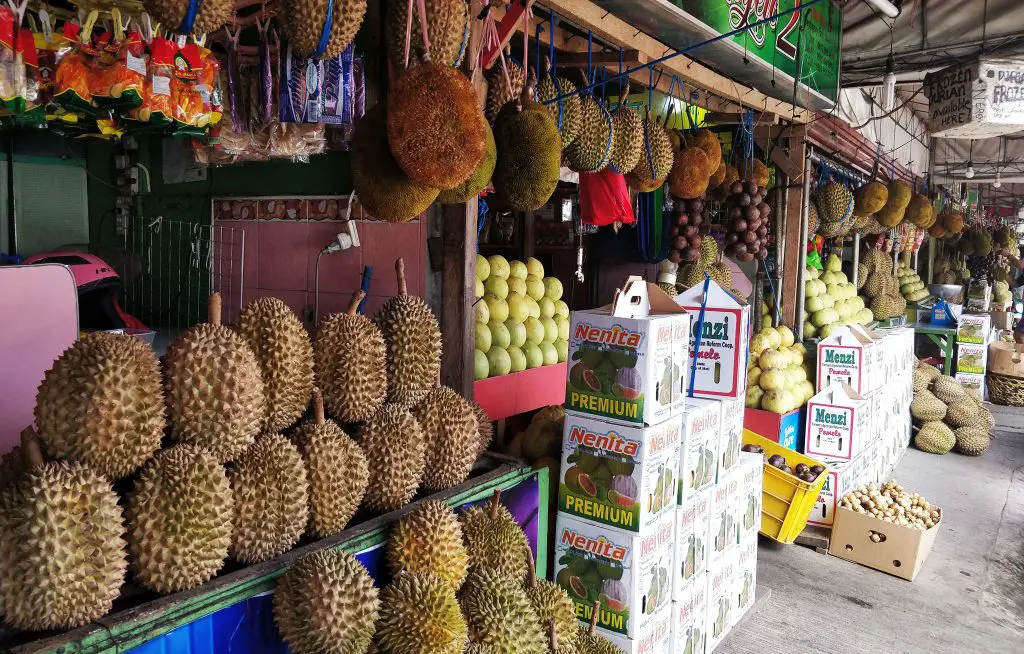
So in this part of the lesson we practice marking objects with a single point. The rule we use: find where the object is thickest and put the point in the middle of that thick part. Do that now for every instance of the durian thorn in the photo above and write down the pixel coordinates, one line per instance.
(400, 274)
(353, 306)
(30, 448)
(213, 308)
(318, 407)
(552, 634)
(495, 503)
(593, 617)
(532, 568)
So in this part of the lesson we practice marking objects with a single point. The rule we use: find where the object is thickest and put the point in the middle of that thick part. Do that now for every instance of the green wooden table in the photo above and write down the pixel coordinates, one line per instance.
(944, 338)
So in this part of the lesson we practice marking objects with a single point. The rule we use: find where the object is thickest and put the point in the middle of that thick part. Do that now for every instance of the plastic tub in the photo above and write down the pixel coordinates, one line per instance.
(786, 501)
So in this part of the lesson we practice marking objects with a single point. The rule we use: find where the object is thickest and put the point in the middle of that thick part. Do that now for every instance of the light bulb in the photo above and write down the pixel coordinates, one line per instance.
(889, 85)
(998, 182)
(970, 170)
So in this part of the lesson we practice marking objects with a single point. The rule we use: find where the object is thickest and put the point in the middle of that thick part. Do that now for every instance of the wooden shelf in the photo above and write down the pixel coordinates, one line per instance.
(519, 392)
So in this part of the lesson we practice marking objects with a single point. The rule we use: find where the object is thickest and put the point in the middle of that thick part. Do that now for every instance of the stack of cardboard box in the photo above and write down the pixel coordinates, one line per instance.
(973, 334)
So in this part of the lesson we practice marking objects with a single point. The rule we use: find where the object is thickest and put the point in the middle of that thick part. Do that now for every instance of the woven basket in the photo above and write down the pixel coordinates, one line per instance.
(1005, 390)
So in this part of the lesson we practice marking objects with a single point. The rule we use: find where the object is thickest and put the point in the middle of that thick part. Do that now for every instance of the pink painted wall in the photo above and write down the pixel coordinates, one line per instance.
(280, 261)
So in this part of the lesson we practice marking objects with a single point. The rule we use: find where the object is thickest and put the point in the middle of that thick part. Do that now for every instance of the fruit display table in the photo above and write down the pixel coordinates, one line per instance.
(944, 338)
(233, 612)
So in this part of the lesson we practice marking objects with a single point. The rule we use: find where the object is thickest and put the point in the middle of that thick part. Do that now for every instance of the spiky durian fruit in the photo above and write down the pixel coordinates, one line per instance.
(271, 499)
(303, 22)
(494, 540)
(429, 540)
(394, 447)
(180, 519)
(214, 388)
(326, 603)
(384, 190)
(499, 613)
(420, 615)
(690, 174)
(413, 341)
(62, 548)
(485, 429)
(972, 441)
(451, 432)
(436, 129)
(592, 148)
(962, 412)
(351, 364)
(948, 389)
(447, 31)
(568, 119)
(555, 609)
(282, 348)
(102, 404)
(336, 470)
(657, 157)
(478, 181)
(591, 642)
(935, 438)
(210, 16)
(499, 91)
(926, 407)
(529, 157)
(628, 128)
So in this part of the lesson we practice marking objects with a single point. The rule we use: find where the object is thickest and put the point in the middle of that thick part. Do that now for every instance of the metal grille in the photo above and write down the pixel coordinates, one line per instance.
(176, 265)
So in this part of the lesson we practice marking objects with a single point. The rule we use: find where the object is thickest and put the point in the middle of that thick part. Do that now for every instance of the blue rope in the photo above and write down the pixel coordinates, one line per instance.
(700, 333)
(554, 67)
(481, 210)
(189, 19)
(325, 32)
(590, 59)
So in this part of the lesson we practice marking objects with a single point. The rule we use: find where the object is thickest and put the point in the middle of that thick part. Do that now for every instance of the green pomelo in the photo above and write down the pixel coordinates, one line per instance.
(517, 358)
(518, 308)
(516, 331)
(516, 286)
(562, 348)
(552, 288)
(534, 307)
(534, 330)
(496, 286)
(478, 289)
(500, 337)
(483, 337)
(547, 307)
(483, 268)
(534, 287)
(499, 266)
(498, 361)
(480, 365)
(534, 267)
(482, 311)
(550, 329)
(549, 352)
(563, 327)
(497, 307)
(534, 357)
(517, 269)
(561, 309)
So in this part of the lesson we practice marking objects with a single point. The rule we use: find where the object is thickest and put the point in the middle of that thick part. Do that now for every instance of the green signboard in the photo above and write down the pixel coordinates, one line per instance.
(809, 39)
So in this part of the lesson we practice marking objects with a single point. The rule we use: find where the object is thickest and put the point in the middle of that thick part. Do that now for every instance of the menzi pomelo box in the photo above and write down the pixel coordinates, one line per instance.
(628, 360)
(851, 355)
(629, 573)
(720, 370)
(838, 424)
(623, 477)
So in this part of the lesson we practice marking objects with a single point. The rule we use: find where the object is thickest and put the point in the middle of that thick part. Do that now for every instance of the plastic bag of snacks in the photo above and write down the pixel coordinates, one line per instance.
(186, 100)
(156, 107)
(127, 75)
(209, 87)
(12, 65)
(71, 88)
(34, 114)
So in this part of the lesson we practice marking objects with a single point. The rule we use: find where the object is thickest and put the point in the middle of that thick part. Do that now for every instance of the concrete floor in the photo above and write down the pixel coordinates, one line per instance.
(969, 597)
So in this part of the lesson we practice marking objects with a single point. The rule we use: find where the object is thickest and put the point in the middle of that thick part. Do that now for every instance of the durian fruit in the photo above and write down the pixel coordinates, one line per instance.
(436, 129)
(948, 389)
(641, 185)
(451, 433)
(494, 540)
(591, 642)
(499, 613)
(420, 615)
(721, 274)
(447, 29)
(812, 219)
(628, 129)
(690, 174)
(972, 441)
(553, 606)
(485, 429)
(429, 540)
(657, 157)
(921, 382)
(351, 364)
(303, 22)
(271, 499)
(568, 120)
(708, 253)
(760, 174)
(413, 341)
(326, 602)
(281, 345)
(706, 140)
(919, 211)
(718, 176)
(215, 395)
(180, 519)
(592, 148)
(499, 93)
(395, 454)
(894, 211)
(835, 209)
(62, 548)
(927, 408)
(870, 198)
(529, 157)
(336, 470)
(478, 181)
(210, 16)
(929, 372)
(102, 404)
(670, 289)
(384, 190)
(961, 413)
(953, 222)
(935, 438)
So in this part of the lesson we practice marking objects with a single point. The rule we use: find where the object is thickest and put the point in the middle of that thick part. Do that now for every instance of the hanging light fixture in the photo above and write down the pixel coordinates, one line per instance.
(998, 182)
(999, 160)
(970, 163)
(889, 84)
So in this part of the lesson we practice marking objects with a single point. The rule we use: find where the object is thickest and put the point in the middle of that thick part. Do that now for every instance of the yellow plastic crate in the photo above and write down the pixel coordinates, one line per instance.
(786, 501)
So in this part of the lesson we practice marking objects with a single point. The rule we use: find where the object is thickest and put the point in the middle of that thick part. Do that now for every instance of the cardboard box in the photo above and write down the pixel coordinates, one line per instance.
(629, 360)
(974, 328)
(1006, 359)
(842, 478)
(655, 636)
(979, 296)
(632, 572)
(1002, 319)
(838, 424)
(751, 478)
(732, 434)
(724, 527)
(850, 355)
(689, 615)
(693, 525)
(721, 601)
(786, 429)
(720, 365)
(971, 358)
(699, 450)
(745, 580)
(971, 380)
(901, 552)
(620, 476)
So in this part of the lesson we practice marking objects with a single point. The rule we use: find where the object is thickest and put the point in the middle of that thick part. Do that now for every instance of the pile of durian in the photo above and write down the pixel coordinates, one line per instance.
(950, 270)
(462, 582)
(879, 285)
(158, 472)
(947, 415)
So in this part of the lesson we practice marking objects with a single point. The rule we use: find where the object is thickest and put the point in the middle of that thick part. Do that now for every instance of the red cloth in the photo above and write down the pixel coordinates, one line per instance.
(604, 199)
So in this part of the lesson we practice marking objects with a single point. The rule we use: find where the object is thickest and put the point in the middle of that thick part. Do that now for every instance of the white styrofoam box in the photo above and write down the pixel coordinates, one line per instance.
(723, 536)
(751, 477)
(689, 617)
(849, 355)
(733, 412)
(693, 525)
(838, 424)
(745, 579)
(701, 438)
(721, 600)
(721, 363)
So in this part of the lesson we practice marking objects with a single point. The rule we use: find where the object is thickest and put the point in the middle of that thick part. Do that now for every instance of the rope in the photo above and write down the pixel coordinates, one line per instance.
(699, 328)
(325, 33)
(189, 19)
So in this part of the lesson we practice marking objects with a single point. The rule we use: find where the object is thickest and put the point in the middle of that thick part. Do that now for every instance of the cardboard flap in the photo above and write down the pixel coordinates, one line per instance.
(717, 296)
(837, 393)
(640, 299)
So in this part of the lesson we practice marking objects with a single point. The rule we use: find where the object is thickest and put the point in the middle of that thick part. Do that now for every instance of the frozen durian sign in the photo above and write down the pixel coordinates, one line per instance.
(718, 347)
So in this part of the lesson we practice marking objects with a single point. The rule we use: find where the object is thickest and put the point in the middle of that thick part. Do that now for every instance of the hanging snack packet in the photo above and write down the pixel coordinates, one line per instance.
(49, 47)
(156, 108)
(12, 66)
(71, 85)
(186, 100)
(103, 51)
(127, 75)
(34, 114)
(208, 87)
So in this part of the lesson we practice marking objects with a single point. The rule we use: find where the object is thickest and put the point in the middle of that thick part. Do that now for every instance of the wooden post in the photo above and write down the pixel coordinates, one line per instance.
(458, 283)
